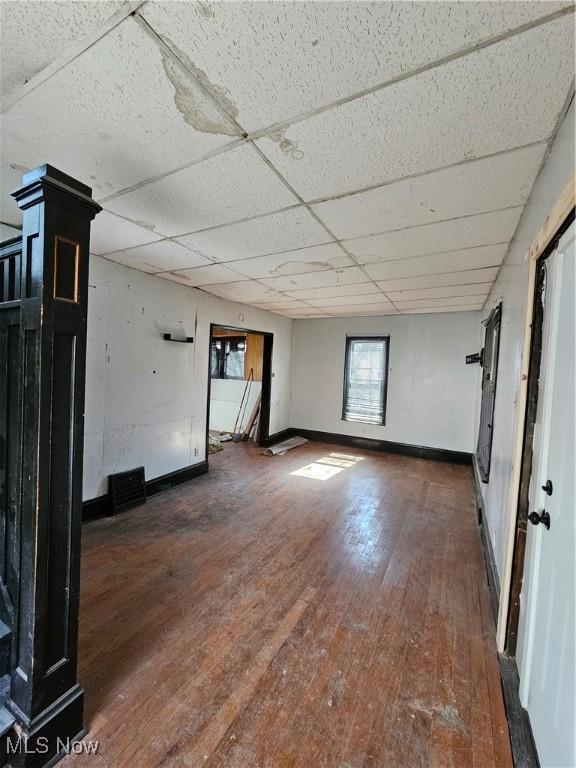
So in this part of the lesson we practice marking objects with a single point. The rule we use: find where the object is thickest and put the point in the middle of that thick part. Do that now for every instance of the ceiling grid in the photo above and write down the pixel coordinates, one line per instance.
(311, 160)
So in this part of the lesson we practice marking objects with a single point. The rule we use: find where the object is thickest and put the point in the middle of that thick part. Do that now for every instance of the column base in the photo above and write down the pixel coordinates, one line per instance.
(49, 736)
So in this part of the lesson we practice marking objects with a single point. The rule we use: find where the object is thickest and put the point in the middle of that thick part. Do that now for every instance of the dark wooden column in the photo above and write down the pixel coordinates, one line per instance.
(44, 694)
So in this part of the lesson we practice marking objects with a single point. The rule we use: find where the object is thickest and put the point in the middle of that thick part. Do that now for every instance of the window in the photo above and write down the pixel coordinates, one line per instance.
(365, 380)
(227, 357)
(489, 375)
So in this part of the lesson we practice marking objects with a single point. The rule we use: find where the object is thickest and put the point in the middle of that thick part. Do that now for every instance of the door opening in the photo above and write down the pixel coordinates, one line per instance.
(239, 386)
(541, 621)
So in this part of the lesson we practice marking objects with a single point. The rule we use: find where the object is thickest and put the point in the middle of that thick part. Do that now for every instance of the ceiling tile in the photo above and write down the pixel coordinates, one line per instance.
(476, 289)
(462, 190)
(297, 57)
(295, 228)
(318, 258)
(272, 306)
(465, 277)
(472, 258)
(159, 257)
(332, 277)
(500, 97)
(200, 276)
(247, 291)
(109, 233)
(304, 312)
(334, 291)
(432, 310)
(40, 32)
(343, 301)
(469, 232)
(10, 179)
(358, 310)
(454, 301)
(225, 188)
(132, 114)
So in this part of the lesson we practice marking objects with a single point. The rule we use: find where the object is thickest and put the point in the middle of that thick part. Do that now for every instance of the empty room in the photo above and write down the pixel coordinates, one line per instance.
(287, 384)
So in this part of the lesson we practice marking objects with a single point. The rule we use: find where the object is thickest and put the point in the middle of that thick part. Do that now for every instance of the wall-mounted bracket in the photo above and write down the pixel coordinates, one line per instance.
(473, 359)
(185, 340)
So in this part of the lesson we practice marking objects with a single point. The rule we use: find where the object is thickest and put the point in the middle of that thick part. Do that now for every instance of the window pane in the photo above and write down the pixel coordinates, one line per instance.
(366, 381)
(235, 359)
(215, 351)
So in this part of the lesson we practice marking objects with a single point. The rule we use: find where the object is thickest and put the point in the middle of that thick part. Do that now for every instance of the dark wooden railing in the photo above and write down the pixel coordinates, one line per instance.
(10, 269)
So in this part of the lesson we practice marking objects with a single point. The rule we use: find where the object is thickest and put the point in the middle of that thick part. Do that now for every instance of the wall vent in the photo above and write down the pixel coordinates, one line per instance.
(127, 489)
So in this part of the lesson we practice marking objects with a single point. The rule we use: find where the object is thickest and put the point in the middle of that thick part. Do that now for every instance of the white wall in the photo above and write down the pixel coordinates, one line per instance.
(225, 400)
(432, 393)
(146, 397)
(511, 289)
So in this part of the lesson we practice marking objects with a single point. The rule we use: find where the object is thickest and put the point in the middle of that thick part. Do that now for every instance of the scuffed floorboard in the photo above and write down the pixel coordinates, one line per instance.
(256, 618)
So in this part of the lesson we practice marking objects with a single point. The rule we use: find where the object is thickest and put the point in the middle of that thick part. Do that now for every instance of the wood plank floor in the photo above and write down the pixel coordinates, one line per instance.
(328, 607)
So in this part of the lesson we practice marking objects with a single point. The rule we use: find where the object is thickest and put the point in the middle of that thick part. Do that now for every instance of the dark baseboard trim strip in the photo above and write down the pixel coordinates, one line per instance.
(417, 451)
(165, 482)
(102, 506)
(524, 752)
(277, 437)
(489, 559)
(92, 509)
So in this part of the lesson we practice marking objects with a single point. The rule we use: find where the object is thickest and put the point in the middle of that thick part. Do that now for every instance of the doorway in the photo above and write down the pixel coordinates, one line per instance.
(541, 619)
(239, 386)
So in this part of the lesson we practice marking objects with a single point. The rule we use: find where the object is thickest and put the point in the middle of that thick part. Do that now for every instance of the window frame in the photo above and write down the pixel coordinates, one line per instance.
(348, 345)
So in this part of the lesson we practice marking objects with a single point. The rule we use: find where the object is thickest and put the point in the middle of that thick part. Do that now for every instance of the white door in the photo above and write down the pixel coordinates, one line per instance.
(547, 638)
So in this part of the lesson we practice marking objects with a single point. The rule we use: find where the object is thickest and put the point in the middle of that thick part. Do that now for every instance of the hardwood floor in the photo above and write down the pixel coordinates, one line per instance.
(263, 616)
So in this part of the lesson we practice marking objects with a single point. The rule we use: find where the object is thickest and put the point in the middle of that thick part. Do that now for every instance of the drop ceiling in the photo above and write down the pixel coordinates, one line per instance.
(315, 159)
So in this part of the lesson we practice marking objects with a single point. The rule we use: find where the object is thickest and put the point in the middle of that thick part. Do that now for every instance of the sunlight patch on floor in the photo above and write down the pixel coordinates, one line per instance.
(327, 466)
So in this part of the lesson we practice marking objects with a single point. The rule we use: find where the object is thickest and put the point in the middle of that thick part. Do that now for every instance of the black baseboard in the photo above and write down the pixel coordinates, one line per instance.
(92, 509)
(524, 752)
(489, 559)
(277, 437)
(165, 482)
(385, 446)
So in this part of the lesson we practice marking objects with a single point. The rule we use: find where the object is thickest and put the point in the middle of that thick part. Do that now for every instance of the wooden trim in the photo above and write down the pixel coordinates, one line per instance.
(524, 752)
(348, 343)
(370, 444)
(489, 559)
(101, 506)
(277, 437)
(93, 509)
(512, 570)
(59, 239)
(560, 214)
(165, 482)
(266, 392)
(554, 221)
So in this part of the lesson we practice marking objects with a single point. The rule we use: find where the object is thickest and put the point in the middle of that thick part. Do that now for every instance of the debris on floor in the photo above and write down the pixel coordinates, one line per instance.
(286, 445)
(215, 440)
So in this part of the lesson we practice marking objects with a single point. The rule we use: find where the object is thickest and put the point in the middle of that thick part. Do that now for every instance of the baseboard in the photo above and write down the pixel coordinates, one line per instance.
(165, 482)
(489, 559)
(385, 446)
(277, 437)
(524, 752)
(92, 509)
